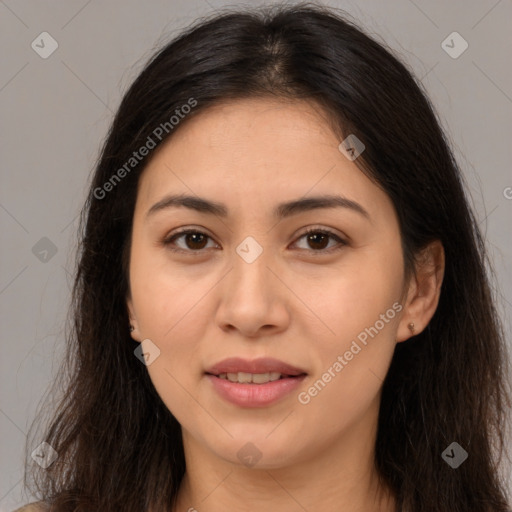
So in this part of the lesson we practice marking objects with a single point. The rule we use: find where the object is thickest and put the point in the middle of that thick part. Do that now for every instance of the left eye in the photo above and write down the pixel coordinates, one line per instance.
(195, 240)
(319, 236)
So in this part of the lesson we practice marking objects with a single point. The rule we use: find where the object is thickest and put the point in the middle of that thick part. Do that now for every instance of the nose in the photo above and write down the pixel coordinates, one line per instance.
(253, 300)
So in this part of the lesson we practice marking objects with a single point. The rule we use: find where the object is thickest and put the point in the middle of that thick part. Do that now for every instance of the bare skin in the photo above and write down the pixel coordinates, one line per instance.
(294, 302)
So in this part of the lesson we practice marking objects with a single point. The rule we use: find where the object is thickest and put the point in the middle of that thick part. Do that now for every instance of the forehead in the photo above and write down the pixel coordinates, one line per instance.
(258, 129)
(252, 152)
(261, 118)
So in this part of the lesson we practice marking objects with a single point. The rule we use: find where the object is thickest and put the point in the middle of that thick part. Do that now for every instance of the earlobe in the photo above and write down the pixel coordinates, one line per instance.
(424, 291)
(133, 321)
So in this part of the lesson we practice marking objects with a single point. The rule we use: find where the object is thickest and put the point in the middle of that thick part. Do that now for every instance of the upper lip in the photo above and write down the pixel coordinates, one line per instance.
(261, 365)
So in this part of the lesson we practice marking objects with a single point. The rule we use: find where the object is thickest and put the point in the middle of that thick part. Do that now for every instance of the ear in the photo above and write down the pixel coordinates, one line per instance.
(133, 320)
(424, 291)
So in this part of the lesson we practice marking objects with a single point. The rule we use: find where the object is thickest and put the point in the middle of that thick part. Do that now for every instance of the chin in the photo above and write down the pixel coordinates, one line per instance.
(258, 451)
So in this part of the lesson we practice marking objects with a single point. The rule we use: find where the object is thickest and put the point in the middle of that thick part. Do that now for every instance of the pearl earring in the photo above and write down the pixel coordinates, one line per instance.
(411, 327)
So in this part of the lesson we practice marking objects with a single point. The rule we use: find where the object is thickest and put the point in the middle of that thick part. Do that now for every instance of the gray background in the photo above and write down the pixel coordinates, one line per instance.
(55, 113)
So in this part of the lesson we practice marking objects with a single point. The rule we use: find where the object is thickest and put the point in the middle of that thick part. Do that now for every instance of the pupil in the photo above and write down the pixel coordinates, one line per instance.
(194, 236)
(312, 238)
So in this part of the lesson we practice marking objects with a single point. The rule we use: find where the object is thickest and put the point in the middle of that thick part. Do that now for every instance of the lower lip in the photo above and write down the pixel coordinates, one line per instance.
(254, 395)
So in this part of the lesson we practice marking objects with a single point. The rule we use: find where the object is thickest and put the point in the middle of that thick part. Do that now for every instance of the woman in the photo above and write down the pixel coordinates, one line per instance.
(281, 300)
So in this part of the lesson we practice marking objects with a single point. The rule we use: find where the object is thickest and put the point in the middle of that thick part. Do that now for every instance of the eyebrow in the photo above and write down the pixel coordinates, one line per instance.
(281, 211)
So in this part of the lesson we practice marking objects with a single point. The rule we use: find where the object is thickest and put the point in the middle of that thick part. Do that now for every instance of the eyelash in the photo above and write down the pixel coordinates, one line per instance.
(169, 240)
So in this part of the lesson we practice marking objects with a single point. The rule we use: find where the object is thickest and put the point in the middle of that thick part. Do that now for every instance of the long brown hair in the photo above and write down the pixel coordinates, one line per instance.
(118, 446)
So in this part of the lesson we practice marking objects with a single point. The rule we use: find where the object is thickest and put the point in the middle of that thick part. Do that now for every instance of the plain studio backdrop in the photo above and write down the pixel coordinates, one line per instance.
(57, 99)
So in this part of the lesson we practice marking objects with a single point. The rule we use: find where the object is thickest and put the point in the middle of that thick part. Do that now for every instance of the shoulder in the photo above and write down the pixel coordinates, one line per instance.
(33, 507)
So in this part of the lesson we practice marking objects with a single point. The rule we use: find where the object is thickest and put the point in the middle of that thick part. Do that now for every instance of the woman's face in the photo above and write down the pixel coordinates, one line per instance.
(251, 284)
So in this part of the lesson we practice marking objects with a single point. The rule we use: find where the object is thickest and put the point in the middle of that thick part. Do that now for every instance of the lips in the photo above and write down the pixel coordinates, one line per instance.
(256, 383)
(255, 366)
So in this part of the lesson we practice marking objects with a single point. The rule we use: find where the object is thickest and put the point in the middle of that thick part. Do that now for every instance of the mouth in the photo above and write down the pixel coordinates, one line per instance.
(254, 378)
(256, 371)
(256, 383)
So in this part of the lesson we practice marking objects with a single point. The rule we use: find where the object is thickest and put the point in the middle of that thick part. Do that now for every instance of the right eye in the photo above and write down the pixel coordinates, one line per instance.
(192, 237)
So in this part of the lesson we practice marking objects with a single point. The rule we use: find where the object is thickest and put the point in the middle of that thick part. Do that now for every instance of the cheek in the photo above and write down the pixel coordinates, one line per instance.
(351, 296)
(175, 373)
(169, 306)
(165, 295)
(359, 307)
(172, 375)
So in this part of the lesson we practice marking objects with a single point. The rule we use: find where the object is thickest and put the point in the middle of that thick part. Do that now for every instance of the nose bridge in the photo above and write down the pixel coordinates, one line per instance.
(250, 268)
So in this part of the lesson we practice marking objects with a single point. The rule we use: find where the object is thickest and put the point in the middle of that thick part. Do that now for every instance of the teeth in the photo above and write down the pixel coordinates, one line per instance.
(248, 378)
(244, 377)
